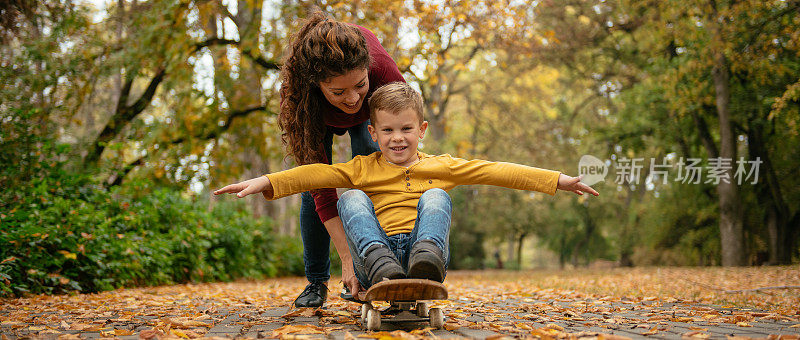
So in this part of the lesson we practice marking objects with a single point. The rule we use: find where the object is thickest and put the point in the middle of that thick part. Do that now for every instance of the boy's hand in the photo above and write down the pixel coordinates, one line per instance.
(250, 186)
(569, 183)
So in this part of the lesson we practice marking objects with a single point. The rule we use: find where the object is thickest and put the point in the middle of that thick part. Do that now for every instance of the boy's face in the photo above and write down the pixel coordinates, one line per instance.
(397, 135)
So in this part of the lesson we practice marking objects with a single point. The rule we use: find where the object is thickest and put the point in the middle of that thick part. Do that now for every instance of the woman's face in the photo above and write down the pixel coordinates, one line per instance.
(346, 91)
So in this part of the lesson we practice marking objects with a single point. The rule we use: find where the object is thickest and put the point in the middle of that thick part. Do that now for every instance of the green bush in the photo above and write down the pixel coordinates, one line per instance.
(62, 233)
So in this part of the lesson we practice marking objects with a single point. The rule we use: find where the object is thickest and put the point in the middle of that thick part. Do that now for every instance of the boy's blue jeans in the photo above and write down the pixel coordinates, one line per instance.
(363, 229)
(316, 240)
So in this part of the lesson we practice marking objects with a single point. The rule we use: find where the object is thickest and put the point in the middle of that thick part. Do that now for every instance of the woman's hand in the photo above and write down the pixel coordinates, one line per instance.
(569, 183)
(349, 277)
(250, 186)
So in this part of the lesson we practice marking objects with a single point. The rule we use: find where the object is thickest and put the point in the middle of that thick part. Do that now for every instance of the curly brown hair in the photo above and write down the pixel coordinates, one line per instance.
(321, 49)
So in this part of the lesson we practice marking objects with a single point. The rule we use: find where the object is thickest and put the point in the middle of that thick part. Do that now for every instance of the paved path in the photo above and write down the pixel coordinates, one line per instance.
(475, 310)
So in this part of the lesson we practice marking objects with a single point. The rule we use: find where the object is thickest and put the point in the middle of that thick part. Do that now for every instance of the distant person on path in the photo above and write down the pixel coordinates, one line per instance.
(399, 225)
(330, 70)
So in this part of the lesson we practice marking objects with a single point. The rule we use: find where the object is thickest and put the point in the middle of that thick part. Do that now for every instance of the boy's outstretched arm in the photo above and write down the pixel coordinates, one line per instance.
(569, 183)
(250, 186)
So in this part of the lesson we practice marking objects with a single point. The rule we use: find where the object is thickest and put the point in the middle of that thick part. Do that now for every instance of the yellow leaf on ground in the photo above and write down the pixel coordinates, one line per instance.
(743, 324)
(149, 334)
(498, 337)
(123, 332)
(612, 337)
(450, 326)
(179, 333)
(696, 334)
(652, 331)
(184, 322)
(394, 335)
(304, 329)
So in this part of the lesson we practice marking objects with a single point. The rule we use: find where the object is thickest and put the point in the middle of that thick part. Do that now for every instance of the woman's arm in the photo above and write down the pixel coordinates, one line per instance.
(335, 228)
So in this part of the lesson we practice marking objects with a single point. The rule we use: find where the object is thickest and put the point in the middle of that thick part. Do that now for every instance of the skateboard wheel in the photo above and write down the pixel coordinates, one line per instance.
(422, 309)
(373, 320)
(365, 307)
(437, 318)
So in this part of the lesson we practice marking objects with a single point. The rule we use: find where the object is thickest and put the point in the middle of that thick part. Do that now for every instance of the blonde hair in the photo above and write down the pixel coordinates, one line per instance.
(395, 97)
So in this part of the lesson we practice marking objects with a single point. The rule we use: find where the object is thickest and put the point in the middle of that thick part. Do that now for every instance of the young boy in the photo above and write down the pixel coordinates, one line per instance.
(399, 225)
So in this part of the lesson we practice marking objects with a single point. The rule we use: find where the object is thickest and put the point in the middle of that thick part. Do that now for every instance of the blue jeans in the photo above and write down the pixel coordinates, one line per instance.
(316, 240)
(363, 229)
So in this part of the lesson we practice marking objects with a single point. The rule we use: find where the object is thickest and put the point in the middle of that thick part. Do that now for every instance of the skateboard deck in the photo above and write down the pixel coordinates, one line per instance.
(406, 298)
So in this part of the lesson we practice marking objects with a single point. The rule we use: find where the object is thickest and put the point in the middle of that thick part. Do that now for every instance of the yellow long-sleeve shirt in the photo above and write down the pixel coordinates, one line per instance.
(395, 190)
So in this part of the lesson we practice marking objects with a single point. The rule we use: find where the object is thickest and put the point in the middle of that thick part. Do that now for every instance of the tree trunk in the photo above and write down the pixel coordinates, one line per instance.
(520, 240)
(768, 190)
(510, 250)
(731, 216)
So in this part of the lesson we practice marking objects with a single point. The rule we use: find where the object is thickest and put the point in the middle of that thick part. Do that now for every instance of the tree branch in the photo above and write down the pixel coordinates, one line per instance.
(123, 114)
(119, 176)
(259, 60)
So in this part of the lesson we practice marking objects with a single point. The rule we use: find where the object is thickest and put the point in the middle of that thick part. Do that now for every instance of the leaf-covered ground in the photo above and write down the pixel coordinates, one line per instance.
(631, 303)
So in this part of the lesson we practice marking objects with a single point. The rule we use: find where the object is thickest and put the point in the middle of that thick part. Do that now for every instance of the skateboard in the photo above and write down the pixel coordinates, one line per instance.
(407, 303)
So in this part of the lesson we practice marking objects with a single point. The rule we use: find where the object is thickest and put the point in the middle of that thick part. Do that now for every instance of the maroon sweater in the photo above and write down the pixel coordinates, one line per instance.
(382, 70)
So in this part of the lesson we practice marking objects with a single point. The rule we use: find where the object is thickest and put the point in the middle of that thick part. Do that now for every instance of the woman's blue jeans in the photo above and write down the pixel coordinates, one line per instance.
(363, 229)
(316, 240)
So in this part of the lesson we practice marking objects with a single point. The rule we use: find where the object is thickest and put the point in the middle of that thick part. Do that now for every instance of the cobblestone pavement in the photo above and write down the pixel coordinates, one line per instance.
(263, 310)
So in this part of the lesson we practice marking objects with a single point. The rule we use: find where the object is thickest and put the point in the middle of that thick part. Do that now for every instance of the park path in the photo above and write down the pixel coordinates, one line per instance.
(482, 305)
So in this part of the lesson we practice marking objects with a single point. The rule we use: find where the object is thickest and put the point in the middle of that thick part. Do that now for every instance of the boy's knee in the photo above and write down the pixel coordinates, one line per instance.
(436, 194)
(352, 196)
(435, 198)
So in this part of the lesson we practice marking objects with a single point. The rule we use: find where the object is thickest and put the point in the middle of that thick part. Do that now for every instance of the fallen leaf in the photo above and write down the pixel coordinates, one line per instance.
(184, 322)
(652, 331)
(123, 332)
(612, 337)
(498, 337)
(149, 334)
(305, 329)
(696, 334)
(179, 333)
(450, 326)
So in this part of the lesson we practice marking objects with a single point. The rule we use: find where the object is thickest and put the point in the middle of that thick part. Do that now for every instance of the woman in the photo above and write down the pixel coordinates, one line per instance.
(331, 68)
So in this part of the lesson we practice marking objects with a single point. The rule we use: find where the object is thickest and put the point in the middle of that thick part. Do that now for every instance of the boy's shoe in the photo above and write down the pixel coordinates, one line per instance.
(382, 264)
(313, 296)
(426, 262)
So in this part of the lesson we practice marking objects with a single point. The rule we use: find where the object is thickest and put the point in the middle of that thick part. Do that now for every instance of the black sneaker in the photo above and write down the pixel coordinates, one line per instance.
(426, 262)
(313, 296)
(382, 264)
